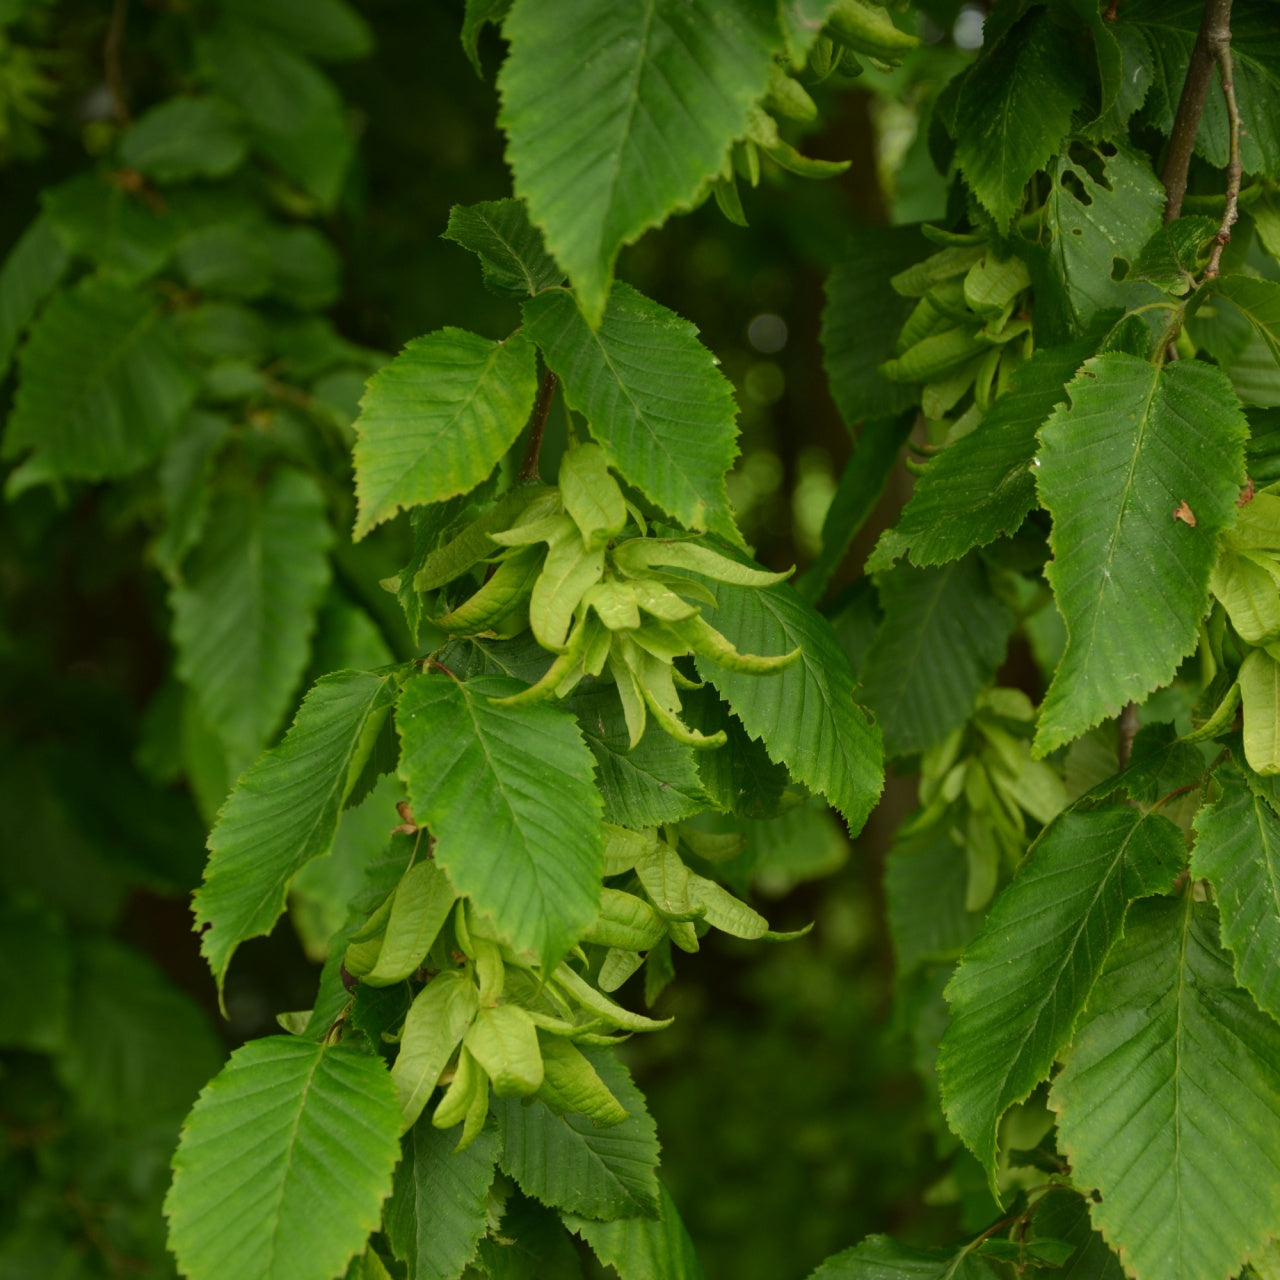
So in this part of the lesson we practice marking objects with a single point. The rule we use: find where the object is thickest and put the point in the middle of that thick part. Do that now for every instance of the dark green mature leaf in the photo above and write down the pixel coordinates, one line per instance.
(34, 265)
(880, 1258)
(804, 714)
(1238, 851)
(437, 1211)
(513, 260)
(103, 384)
(97, 218)
(284, 811)
(436, 420)
(1025, 977)
(982, 486)
(283, 1163)
(1063, 1215)
(1014, 109)
(244, 614)
(185, 489)
(862, 319)
(643, 1248)
(184, 138)
(943, 635)
(1258, 301)
(1102, 209)
(593, 95)
(1170, 1062)
(567, 1163)
(331, 30)
(1171, 26)
(925, 886)
(648, 785)
(35, 977)
(652, 396)
(509, 796)
(138, 1048)
(295, 116)
(477, 15)
(1137, 444)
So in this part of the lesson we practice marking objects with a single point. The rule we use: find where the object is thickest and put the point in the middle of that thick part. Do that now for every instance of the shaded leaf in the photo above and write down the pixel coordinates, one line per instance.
(284, 811)
(593, 93)
(184, 138)
(436, 420)
(652, 396)
(325, 29)
(1025, 977)
(1165, 1026)
(508, 793)
(880, 1258)
(643, 1248)
(283, 1163)
(1131, 582)
(98, 218)
(513, 260)
(34, 266)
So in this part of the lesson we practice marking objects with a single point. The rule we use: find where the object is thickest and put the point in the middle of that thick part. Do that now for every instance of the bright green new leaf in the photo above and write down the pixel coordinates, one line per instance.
(590, 999)
(437, 419)
(943, 635)
(283, 1163)
(593, 96)
(1171, 1066)
(437, 1211)
(570, 570)
(1260, 696)
(422, 903)
(880, 1258)
(652, 396)
(1141, 473)
(244, 613)
(513, 260)
(184, 138)
(590, 494)
(437, 1020)
(643, 1248)
(103, 385)
(295, 116)
(625, 921)
(1015, 107)
(508, 793)
(504, 1042)
(1025, 977)
(570, 1164)
(34, 266)
(982, 485)
(805, 714)
(285, 811)
(1238, 851)
(571, 1084)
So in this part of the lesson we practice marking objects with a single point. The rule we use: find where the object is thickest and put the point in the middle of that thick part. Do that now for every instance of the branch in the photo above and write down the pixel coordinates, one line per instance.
(1226, 72)
(1214, 37)
(537, 426)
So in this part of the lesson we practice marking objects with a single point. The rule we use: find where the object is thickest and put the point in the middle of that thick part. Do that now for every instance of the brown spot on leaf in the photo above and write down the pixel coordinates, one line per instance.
(1185, 514)
(1246, 494)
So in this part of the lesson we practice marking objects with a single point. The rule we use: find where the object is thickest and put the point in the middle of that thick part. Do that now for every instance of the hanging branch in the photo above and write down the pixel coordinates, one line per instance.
(537, 425)
(1213, 39)
(1226, 72)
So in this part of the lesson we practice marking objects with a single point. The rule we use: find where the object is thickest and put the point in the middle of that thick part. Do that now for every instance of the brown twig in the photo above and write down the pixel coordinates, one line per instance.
(1214, 35)
(537, 426)
(111, 70)
(1226, 72)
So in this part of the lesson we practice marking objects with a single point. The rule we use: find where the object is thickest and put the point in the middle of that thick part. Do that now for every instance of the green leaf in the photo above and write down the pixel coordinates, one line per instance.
(508, 793)
(982, 485)
(103, 385)
(439, 1017)
(1143, 1110)
(331, 30)
(34, 266)
(1014, 110)
(805, 714)
(244, 614)
(861, 322)
(652, 396)
(35, 977)
(477, 15)
(184, 138)
(645, 786)
(437, 1211)
(436, 420)
(284, 811)
(1062, 1215)
(1260, 694)
(1101, 211)
(1238, 851)
(97, 218)
(1137, 444)
(283, 1163)
(880, 1258)
(569, 1164)
(295, 117)
(943, 635)
(423, 902)
(643, 1248)
(185, 478)
(504, 1042)
(513, 260)
(1258, 301)
(925, 886)
(1025, 977)
(593, 94)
